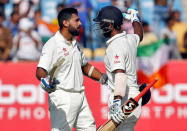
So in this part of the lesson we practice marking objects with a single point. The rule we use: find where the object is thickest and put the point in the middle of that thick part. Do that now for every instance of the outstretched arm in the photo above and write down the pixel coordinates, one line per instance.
(94, 73)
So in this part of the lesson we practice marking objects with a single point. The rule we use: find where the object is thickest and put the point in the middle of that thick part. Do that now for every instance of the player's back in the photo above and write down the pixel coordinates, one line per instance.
(121, 54)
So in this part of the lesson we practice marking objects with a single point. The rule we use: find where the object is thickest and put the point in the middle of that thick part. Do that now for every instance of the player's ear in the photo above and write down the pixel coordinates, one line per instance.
(111, 26)
(65, 23)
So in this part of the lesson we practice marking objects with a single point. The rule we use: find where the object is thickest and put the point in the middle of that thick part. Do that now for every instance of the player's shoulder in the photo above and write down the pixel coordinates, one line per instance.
(132, 36)
(50, 43)
(117, 43)
(116, 46)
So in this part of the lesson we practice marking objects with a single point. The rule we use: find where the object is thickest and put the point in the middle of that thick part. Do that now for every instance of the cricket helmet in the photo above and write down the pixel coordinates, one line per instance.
(110, 14)
(106, 16)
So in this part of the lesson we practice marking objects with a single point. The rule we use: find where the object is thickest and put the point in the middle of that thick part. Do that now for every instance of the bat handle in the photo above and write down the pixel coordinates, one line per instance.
(137, 98)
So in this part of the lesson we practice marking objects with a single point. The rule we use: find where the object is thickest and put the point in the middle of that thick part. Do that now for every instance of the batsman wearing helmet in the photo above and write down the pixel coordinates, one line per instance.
(120, 62)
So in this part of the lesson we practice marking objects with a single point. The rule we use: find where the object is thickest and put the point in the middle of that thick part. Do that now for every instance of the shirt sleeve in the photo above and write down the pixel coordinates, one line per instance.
(117, 57)
(46, 57)
(83, 58)
(135, 38)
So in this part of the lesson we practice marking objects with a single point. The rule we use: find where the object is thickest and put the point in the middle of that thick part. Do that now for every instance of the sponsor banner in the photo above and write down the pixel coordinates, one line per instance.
(24, 107)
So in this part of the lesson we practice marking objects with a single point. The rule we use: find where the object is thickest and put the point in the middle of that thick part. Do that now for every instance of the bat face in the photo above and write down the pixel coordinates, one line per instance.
(129, 107)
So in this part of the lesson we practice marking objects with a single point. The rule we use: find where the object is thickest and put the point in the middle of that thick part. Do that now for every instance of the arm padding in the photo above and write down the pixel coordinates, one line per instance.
(120, 84)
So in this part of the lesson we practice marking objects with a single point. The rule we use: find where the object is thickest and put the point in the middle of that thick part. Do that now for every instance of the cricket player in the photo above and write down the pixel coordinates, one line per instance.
(67, 101)
(120, 62)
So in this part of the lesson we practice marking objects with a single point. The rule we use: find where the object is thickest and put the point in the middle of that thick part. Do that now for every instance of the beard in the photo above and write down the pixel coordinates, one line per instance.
(74, 31)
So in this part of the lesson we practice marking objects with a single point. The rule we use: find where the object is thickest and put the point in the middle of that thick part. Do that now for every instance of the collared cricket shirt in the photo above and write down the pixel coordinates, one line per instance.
(121, 54)
(69, 74)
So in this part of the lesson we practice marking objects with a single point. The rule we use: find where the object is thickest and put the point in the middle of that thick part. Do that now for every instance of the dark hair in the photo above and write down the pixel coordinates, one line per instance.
(15, 5)
(13, 13)
(66, 14)
(167, 20)
(2, 15)
(60, 5)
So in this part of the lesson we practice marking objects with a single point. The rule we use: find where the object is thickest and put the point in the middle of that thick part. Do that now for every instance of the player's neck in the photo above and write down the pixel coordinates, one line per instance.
(115, 32)
(66, 35)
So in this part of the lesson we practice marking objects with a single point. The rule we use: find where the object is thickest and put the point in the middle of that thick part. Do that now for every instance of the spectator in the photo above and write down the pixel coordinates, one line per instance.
(59, 7)
(162, 9)
(181, 29)
(26, 8)
(13, 23)
(185, 44)
(16, 7)
(98, 4)
(84, 8)
(170, 36)
(43, 28)
(27, 43)
(128, 3)
(5, 40)
(149, 36)
(2, 6)
(98, 40)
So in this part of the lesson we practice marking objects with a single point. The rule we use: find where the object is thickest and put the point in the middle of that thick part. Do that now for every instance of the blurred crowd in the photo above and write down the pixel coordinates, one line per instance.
(25, 30)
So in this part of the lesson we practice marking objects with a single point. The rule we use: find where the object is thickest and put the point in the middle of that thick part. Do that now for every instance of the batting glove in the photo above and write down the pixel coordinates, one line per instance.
(45, 84)
(103, 80)
(116, 112)
(132, 15)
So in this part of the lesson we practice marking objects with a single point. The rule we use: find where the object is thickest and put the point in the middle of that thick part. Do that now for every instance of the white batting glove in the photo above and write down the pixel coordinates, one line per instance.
(132, 15)
(116, 112)
(103, 80)
(45, 84)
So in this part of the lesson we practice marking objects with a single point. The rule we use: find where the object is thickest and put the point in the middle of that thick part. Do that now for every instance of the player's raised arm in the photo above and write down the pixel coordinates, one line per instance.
(133, 16)
(138, 29)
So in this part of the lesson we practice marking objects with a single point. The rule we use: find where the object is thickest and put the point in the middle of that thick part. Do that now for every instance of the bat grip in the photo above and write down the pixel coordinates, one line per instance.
(137, 98)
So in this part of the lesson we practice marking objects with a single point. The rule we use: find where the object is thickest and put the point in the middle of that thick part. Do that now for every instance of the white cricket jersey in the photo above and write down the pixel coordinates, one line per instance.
(69, 74)
(121, 54)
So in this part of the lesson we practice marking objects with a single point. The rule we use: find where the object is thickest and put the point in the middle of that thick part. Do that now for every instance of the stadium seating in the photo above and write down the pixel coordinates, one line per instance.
(88, 53)
(99, 54)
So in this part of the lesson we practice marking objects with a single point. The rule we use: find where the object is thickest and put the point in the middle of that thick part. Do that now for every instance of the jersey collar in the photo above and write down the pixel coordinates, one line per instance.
(61, 38)
(115, 37)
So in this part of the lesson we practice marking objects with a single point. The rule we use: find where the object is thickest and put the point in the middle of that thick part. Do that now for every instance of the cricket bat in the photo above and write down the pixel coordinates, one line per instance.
(127, 108)
(56, 65)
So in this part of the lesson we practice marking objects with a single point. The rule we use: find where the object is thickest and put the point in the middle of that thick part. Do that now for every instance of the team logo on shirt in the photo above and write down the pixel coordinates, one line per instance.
(116, 56)
(66, 53)
(64, 49)
(116, 59)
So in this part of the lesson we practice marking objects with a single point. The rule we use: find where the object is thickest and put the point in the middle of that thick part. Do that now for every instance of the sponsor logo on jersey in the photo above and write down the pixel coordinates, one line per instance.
(66, 53)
